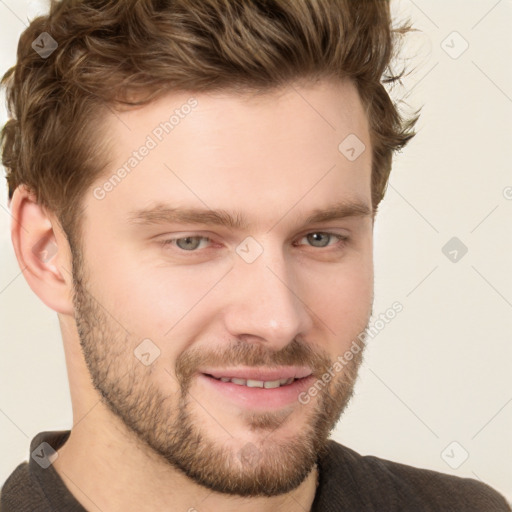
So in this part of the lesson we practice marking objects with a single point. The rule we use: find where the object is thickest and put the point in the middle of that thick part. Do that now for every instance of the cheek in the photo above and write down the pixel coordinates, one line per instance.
(340, 299)
(170, 306)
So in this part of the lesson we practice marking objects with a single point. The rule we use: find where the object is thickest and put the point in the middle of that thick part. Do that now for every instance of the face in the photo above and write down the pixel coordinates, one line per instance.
(222, 276)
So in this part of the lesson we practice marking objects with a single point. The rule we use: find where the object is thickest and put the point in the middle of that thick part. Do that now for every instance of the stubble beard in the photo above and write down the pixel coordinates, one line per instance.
(169, 424)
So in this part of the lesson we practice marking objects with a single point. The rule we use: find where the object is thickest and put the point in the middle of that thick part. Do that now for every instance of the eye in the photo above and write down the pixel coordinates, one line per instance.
(317, 239)
(323, 239)
(187, 243)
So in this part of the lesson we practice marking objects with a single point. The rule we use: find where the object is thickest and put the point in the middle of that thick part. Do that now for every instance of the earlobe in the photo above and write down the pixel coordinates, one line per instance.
(42, 251)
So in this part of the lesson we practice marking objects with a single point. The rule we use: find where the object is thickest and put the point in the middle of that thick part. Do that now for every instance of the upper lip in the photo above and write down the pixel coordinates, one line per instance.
(261, 374)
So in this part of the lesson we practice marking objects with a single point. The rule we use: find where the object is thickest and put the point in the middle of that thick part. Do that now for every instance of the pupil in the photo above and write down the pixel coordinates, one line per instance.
(316, 239)
(188, 243)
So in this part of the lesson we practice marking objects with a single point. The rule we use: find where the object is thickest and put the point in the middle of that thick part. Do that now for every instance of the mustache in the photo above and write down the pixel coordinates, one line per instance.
(296, 353)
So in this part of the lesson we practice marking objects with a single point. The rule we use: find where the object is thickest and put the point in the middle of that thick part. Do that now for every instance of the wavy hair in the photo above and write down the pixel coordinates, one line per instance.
(116, 54)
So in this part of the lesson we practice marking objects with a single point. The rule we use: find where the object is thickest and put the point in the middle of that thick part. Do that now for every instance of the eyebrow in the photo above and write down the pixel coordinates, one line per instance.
(164, 214)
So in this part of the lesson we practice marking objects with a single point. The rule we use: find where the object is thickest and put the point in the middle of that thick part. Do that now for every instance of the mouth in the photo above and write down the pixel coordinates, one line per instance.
(250, 383)
(257, 388)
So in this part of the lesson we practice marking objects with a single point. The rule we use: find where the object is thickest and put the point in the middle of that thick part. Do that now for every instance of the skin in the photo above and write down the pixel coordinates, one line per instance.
(274, 159)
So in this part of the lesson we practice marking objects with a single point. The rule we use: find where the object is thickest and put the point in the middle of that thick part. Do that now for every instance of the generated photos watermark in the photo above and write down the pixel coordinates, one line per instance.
(373, 329)
(156, 136)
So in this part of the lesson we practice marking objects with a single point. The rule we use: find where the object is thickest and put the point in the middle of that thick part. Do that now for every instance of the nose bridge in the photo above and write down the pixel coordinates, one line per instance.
(266, 305)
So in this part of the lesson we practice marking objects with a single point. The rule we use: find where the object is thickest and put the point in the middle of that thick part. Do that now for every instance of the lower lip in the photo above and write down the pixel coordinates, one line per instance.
(259, 398)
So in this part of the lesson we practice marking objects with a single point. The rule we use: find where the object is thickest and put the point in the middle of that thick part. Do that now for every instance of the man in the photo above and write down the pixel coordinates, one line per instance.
(194, 185)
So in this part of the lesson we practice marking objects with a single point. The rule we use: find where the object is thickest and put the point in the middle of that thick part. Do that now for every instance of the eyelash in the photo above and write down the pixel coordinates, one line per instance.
(342, 239)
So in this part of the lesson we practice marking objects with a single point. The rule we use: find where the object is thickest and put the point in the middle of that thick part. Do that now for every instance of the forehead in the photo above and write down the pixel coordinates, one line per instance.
(300, 146)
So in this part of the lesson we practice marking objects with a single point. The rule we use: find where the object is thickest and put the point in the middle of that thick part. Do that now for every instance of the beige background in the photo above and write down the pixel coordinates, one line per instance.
(437, 382)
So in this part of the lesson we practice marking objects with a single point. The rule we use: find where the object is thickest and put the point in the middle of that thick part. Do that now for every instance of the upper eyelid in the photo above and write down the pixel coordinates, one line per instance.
(300, 235)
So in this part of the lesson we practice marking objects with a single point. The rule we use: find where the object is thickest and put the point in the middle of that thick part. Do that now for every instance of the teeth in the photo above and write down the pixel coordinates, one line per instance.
(268, 384)
(254, 383)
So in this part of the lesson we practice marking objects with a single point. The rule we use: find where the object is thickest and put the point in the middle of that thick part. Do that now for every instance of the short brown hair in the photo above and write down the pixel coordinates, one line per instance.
(115, 53)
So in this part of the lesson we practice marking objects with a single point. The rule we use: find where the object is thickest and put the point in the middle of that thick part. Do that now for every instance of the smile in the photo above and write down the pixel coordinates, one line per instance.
(250, 383)
(253, 388)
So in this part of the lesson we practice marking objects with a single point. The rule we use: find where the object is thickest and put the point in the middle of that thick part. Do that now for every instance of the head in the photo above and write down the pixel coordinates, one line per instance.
(210, 170)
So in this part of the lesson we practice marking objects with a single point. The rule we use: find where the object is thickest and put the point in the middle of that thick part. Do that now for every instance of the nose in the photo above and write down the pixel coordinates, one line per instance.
(265, 303)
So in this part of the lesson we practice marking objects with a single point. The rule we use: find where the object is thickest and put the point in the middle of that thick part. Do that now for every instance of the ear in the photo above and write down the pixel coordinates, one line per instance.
(42, 251)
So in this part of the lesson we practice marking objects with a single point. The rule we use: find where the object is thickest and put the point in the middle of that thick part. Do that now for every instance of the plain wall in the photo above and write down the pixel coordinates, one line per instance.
(440, 371)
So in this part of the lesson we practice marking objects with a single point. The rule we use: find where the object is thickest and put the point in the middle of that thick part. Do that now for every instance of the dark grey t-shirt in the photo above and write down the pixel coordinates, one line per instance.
(348, 482)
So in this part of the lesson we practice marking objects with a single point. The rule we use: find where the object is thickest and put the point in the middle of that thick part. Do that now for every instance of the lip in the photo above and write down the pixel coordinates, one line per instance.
(255, 399)
(266, 374)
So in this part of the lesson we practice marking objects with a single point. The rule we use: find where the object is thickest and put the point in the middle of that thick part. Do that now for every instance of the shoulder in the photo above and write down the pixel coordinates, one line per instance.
(18, 493)
(384, 483)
